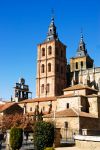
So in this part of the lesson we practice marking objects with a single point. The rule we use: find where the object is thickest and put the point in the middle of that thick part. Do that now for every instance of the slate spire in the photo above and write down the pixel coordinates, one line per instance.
(52, 34)
(81, 51)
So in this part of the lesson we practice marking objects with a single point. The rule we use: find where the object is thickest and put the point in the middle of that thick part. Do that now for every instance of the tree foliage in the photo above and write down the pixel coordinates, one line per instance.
(16, 138)
(16, 120)
(43, 135)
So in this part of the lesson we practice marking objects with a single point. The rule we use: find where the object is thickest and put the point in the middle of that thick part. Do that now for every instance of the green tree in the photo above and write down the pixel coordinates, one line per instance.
(16, 138)
(43, 135)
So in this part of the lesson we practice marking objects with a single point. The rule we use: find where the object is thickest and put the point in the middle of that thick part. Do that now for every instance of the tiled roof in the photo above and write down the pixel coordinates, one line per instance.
(6, 106)
(79, 87)
(78, 95)
(42, 99)
(69, 113)
(70, 95)
(67, 95)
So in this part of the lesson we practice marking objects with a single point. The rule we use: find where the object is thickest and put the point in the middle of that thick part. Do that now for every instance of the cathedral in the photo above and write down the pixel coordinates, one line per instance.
(67, 94)
(53, 72)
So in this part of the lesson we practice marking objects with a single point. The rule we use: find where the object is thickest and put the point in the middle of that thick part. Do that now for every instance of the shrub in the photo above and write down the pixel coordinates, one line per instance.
(49, 148)
(43, 135)
(16, 138)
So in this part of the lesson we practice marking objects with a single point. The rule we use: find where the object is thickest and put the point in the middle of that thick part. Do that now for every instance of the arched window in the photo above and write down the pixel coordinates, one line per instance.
(42, 68)
(76, 65)
(43, 51)
(50, 31)
(67, 105)
(48, 88)
(49, 67)
(81, 64)
(66, 124)
(30, 108)
(80, 47)
(43, 108)
(42, 88)
(49, 50)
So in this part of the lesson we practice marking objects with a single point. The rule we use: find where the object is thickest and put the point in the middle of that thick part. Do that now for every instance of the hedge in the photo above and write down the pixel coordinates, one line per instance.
(16, 138)
(43, 135)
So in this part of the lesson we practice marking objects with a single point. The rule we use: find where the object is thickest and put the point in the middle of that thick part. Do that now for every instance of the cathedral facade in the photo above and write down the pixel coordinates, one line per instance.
(53, 72)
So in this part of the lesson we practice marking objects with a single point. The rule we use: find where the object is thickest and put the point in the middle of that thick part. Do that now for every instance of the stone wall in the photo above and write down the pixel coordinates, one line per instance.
(68, 125)
(44, 105)
(93, 105)
(73, 102)
(87, 142)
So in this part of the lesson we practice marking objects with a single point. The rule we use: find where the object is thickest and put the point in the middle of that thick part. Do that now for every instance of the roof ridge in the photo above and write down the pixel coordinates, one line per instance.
(75, 111)
(78, 87)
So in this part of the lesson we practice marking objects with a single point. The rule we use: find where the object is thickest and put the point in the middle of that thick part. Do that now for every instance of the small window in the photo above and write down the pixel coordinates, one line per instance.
(80, 47)
(50, 31)
(81, 64)
(48, 88)
(42, 88)
(30, 108)
(43, 51)
(42, 68)
(43, 108)
(76, 65)
(66, 124)
(49, 67)
(49, 50)
(67, 105)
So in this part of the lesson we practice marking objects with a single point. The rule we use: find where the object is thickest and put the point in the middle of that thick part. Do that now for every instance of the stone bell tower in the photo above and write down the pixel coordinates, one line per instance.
(21, 91)
(80, 62)
(51, 65)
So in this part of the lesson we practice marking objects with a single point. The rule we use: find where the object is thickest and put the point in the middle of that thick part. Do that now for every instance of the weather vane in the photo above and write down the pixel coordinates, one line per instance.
(52, 12)
(81, 31)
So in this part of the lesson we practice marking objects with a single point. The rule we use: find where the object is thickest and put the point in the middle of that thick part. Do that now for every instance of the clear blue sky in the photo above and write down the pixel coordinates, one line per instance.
(24, 24)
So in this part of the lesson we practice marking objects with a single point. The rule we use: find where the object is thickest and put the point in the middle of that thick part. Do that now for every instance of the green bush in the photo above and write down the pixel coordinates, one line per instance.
(16, 138)
(49, 148)
(43, 135)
